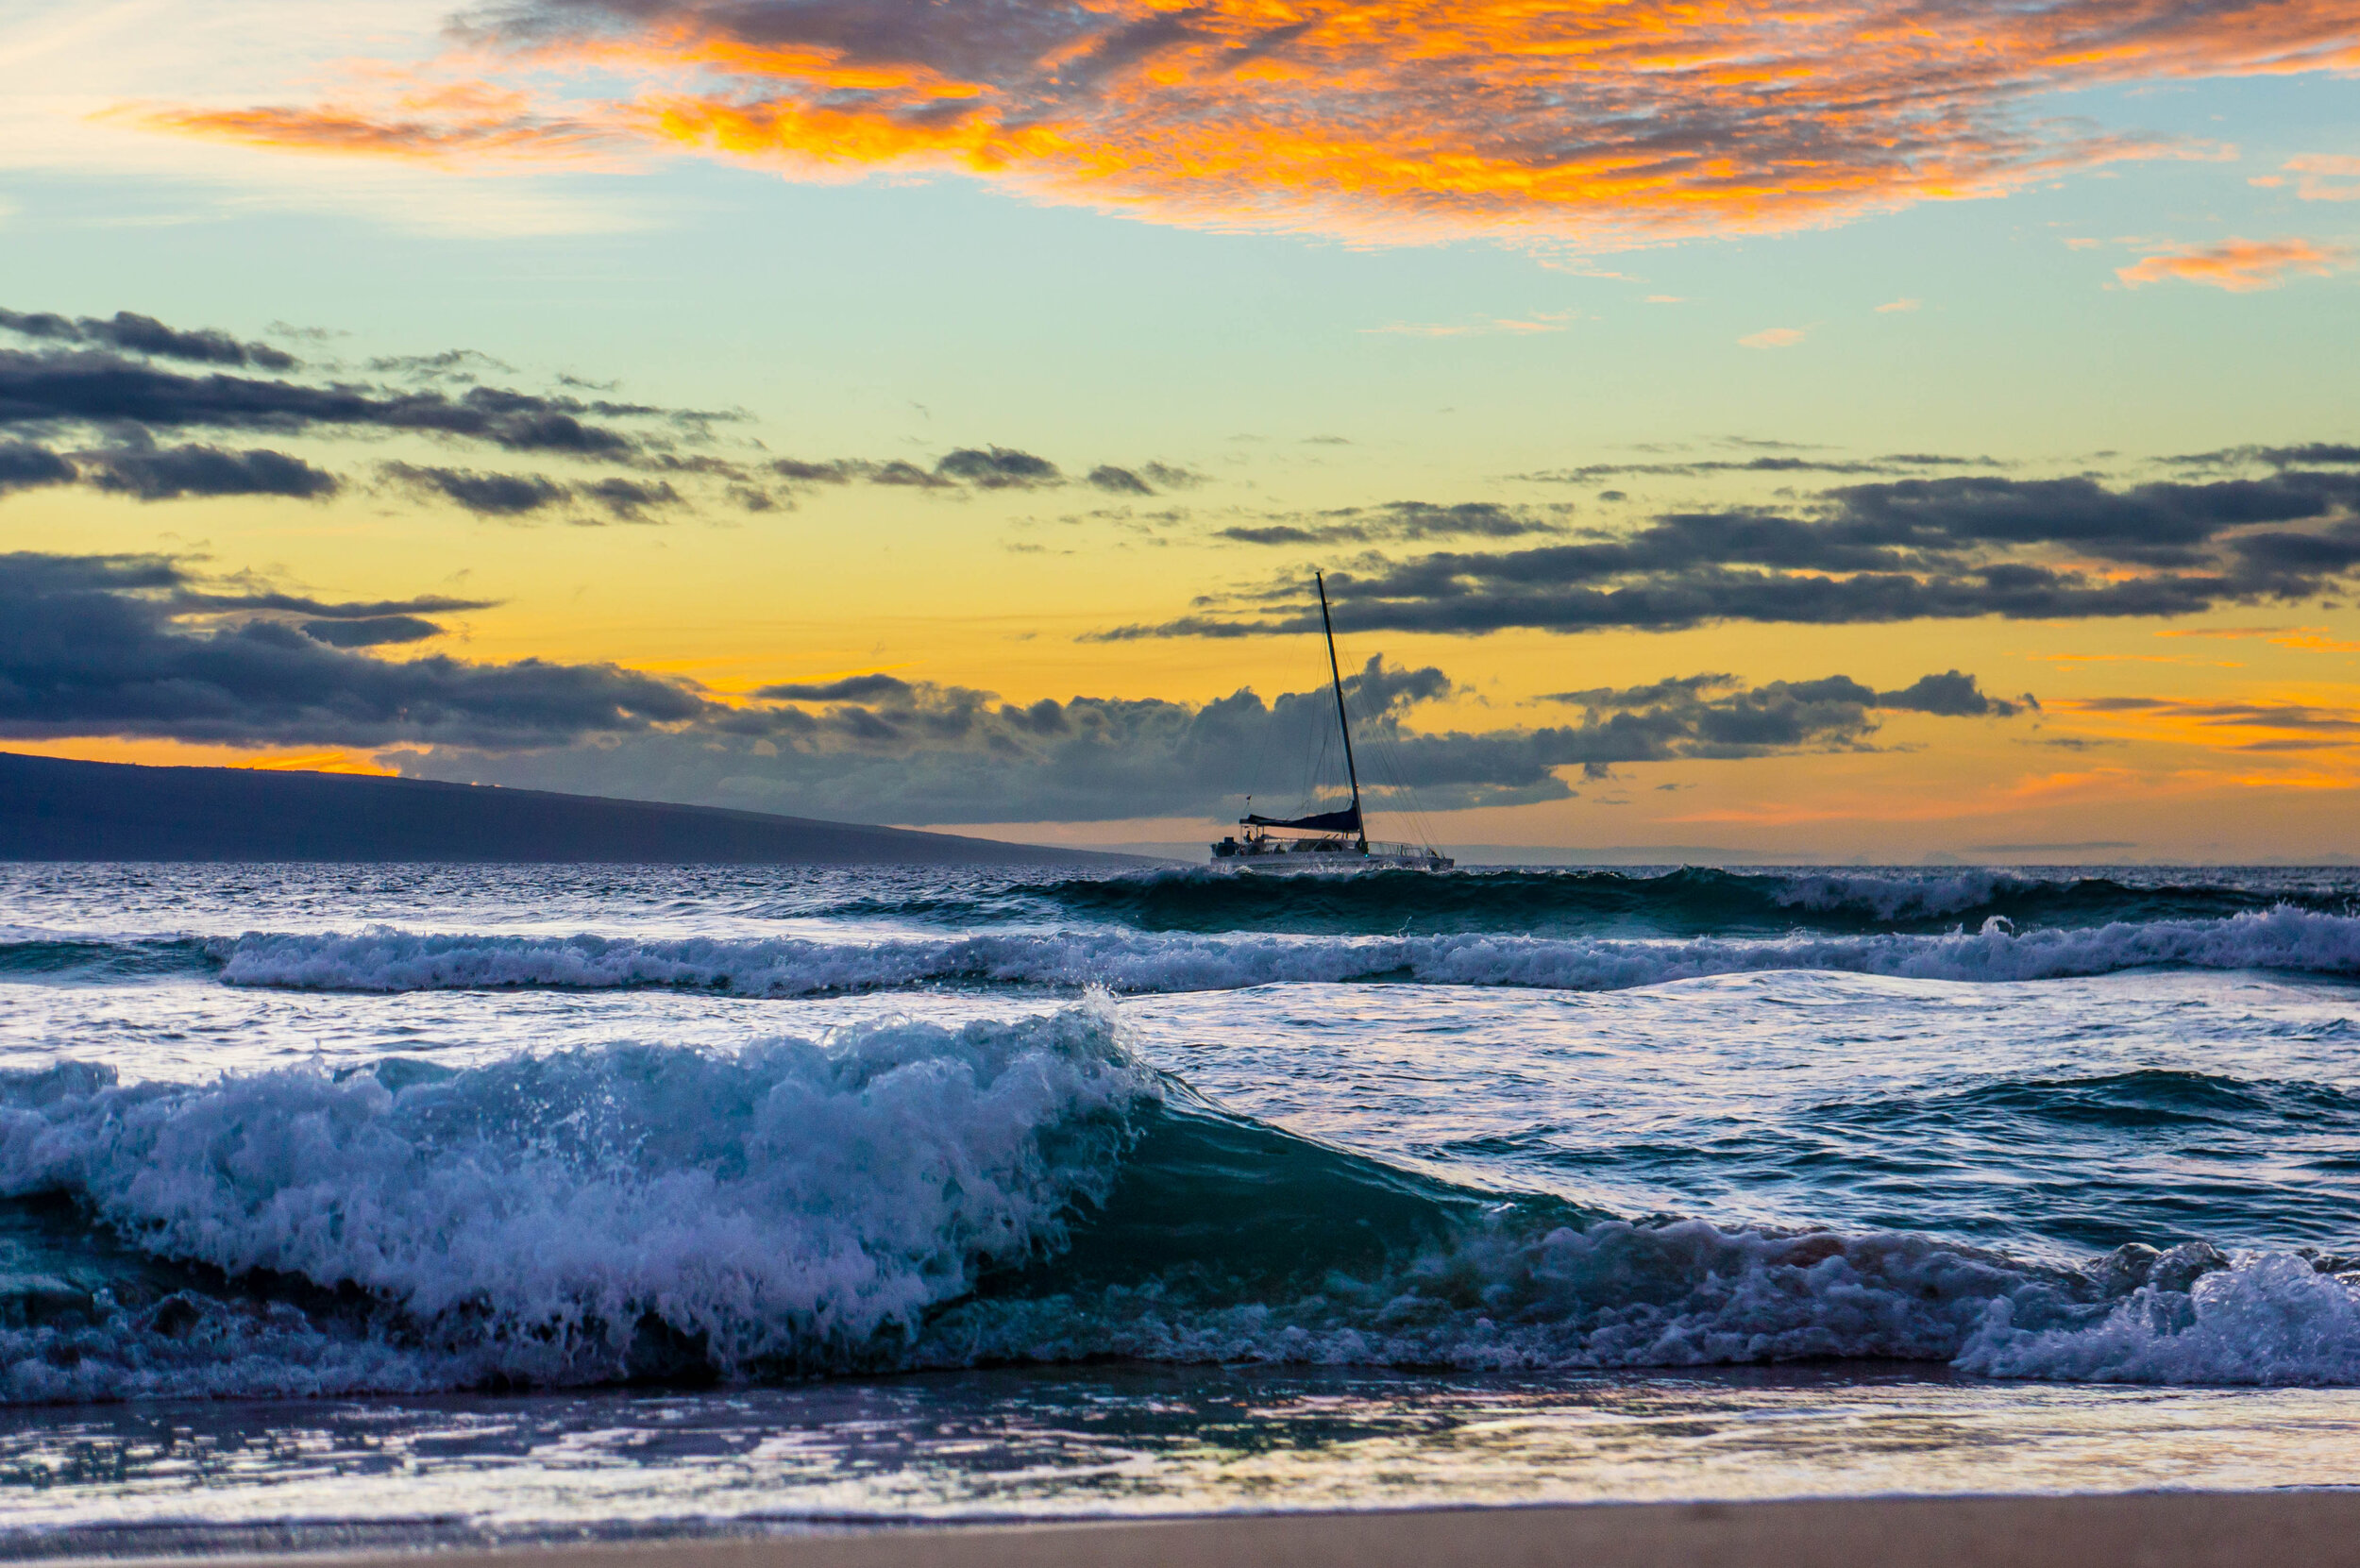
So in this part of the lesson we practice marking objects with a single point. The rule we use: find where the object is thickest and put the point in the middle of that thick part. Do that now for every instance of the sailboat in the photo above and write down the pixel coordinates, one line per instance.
(1326, 840)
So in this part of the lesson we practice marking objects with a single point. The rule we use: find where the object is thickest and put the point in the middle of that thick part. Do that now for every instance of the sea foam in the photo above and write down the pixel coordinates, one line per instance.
(794, 1203)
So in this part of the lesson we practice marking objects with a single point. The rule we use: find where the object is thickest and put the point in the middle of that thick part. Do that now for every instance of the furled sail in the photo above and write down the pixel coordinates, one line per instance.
(1346, 821)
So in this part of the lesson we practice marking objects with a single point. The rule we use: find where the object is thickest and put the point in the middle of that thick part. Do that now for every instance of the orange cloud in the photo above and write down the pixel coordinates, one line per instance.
(331, 130)
(398, 114)
(2240, 266)
(2321, 176)
(1611, 122)
(2310, 639)
(2258, 727)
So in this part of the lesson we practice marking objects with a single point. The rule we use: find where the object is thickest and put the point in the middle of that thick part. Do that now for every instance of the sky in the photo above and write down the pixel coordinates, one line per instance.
(1871, 431)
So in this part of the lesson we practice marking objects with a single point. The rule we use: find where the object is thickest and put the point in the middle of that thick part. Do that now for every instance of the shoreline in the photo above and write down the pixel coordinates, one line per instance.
(2150, 1530)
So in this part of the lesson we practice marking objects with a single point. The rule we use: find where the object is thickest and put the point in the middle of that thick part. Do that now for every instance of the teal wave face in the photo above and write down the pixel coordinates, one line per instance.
(740, 904)
(100, 962)
(1230, 1210)
(1688, 901)
(1683, 902)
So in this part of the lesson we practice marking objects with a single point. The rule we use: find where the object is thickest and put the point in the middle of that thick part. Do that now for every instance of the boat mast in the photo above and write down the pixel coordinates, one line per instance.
(1342, 721)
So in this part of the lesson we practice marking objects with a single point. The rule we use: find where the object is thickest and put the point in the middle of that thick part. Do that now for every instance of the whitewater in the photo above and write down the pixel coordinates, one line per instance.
(759, 1193)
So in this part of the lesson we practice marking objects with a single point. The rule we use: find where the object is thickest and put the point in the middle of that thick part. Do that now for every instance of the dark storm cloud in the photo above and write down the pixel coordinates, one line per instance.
(112, 645)
(2306, 454)
(2162, 523)
(138, 646)
(742, 483)
(164, 473)
(1119, 482)
(24, 466)
(101, 380)
(101, 374)
(485, 495)
(1148, 478)
(451, 364)
(979, 467)
(187, 599)
(1719, 716)
(983, 468)
(910, 475)
(797, 471)
(1284, 533)
(152, 473)
(1951, 695)
(881, 748)
(1397, 521)
(2297, 558)
(498, 495)
(376, 631)
(39, 391)
(1702, 597)
(1893, 463)
(1953, 547)
(139, 334)
(628, 500)
(855, 688)
(999, 468)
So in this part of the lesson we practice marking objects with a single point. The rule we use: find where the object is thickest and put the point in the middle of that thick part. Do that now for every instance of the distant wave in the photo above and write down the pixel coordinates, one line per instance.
(2284, 937)
(904, 1195)
(1688, 901)
(40, 953)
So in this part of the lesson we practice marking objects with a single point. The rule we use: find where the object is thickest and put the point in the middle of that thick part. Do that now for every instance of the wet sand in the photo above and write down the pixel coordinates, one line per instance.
(2317, 1529)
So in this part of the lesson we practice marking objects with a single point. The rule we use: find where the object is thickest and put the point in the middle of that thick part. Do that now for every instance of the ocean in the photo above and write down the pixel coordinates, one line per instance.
(458, 1203)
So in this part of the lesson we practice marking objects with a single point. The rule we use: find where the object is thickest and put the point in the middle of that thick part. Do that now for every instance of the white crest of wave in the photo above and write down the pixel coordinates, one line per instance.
(1892, 897)
(2283, 937)
(2271, 1319)
(790, 1201)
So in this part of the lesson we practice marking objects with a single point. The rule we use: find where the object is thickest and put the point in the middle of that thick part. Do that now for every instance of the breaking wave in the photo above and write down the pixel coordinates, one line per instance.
(902, 1195)
(1690, 901)
(2283, 937)
(541, 1218)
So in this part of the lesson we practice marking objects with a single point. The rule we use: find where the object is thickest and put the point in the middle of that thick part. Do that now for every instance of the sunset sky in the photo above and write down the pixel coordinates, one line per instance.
(1860, 430)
